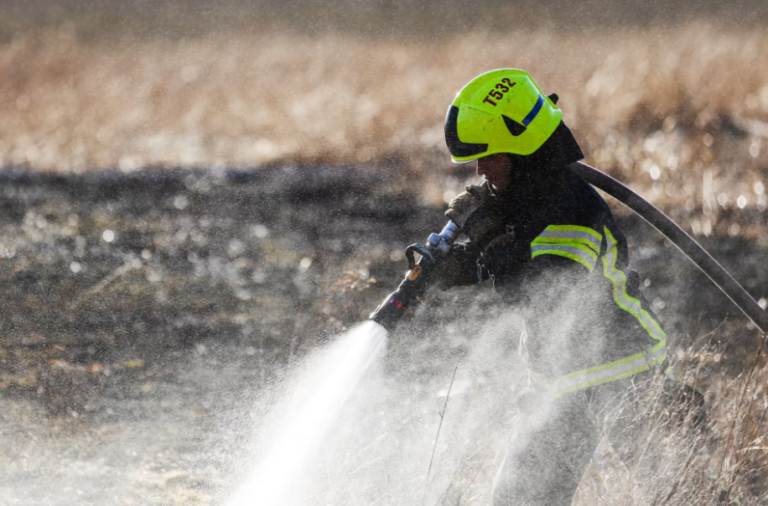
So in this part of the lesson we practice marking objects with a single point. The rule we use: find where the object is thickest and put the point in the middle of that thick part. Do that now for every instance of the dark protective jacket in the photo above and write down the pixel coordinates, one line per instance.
(560, 259)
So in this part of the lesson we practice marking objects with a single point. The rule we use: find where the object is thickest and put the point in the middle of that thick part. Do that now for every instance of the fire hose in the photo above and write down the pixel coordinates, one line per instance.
(684, 242)
(438, 246)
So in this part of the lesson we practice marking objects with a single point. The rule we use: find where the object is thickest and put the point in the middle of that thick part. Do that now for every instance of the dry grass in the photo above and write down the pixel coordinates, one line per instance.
(342, 99)
(681, 112)
(680, 463)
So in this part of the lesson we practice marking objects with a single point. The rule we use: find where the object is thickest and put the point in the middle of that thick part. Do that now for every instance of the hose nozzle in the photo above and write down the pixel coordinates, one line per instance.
(415, 282)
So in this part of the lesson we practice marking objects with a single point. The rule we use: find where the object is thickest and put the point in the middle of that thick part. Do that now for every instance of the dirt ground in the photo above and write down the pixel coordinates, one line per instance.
(125, 362)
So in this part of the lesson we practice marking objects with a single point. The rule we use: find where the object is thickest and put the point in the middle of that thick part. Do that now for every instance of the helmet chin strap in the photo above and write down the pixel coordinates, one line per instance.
(684, 242)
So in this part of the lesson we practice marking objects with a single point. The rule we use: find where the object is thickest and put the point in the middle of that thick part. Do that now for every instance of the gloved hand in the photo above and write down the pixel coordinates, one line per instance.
(471, 212)
(458, 268)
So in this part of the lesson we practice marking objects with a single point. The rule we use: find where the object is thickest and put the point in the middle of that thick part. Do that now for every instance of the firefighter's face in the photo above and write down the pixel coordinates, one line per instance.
(496, 169)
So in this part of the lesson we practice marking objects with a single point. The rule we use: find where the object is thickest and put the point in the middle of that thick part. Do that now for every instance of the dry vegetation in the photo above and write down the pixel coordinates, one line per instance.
(683, 109)
(680, 112)
(680, 464)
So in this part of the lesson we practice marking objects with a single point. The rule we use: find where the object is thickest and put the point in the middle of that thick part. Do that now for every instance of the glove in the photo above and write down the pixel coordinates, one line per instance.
(458, 268)
(471, 211)
(464, 204)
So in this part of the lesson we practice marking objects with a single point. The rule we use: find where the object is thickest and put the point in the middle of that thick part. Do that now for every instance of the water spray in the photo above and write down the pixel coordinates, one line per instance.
(318, 393)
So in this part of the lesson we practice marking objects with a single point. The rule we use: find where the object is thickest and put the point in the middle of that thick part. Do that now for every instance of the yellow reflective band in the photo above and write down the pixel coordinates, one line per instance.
(606, 373)
(622, 298)
(567, 240)
(573, 233)
(577, 243)
(576, 252)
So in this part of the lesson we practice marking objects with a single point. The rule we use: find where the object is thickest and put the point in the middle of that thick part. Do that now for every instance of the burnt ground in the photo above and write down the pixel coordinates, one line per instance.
(138, 309)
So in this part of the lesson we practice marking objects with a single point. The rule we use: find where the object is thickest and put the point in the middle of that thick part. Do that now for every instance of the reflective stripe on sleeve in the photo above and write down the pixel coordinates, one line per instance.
(570, 233)
(576, 252)
(580, 244)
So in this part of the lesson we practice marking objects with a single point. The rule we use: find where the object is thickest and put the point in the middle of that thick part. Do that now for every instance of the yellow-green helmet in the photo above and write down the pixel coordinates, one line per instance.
(501, 111)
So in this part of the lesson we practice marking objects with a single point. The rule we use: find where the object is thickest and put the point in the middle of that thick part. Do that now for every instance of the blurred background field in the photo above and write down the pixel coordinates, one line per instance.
(648, 90)
(196, 194)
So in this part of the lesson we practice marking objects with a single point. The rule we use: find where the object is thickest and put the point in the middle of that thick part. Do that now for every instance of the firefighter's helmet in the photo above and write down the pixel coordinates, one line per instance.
(501, 111)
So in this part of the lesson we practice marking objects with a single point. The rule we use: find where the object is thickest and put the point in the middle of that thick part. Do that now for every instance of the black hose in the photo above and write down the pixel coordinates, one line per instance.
(679, 238)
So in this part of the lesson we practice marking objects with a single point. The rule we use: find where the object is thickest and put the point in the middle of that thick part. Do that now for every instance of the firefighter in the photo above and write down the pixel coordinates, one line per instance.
(551, 247)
